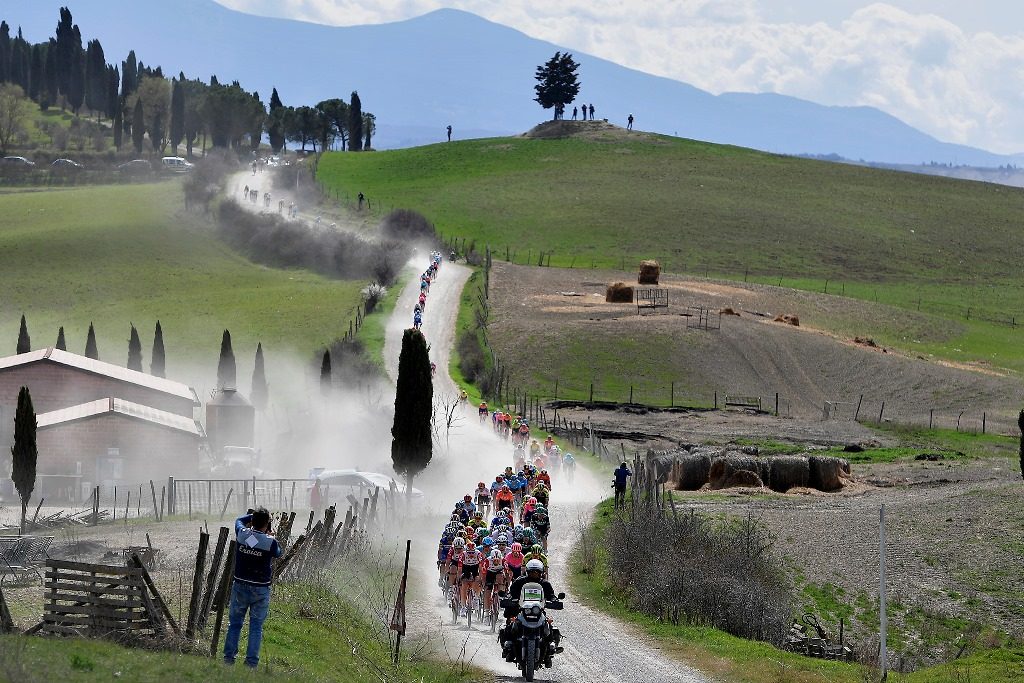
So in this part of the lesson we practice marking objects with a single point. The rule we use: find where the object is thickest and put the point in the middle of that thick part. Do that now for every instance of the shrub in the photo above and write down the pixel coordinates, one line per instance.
(471, 356)
(407, 225)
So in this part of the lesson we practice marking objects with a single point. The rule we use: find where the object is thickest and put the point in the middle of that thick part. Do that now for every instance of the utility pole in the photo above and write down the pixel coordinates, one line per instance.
(883, 655)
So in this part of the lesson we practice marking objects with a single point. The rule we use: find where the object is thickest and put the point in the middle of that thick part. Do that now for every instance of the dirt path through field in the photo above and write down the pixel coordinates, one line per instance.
(597, 647)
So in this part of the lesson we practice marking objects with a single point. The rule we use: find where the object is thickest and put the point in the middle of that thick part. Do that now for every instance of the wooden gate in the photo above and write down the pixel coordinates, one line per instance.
(95, 600)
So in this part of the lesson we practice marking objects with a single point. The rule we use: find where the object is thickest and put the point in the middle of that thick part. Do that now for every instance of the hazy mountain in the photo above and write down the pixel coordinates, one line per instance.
(452, 67)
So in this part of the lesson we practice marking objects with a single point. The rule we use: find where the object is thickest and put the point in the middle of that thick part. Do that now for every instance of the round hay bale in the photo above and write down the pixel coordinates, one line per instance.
(788, 471)
(743, 479)
(619, 293)
(827, 472)
(723, 468)
(694, 470)
(650, 272)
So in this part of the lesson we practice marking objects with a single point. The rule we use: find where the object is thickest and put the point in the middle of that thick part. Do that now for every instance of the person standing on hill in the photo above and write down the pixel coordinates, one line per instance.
(621, 475)
(591, 111)
(449, 133)
(250, 590)
(584, 108)
(629, 122)
(575, 112)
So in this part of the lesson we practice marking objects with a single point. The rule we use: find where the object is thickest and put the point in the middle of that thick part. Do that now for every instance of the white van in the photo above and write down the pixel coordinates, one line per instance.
(176, 164)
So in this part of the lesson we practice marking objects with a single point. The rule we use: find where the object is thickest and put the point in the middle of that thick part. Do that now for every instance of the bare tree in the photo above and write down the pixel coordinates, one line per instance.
(446, 418)
(14, 113)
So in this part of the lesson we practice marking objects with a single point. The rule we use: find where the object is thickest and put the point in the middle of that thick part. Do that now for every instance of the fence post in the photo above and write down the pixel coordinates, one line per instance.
(672, 395)
(591, 392)
(630, 394)
(857, 413)
(880, 411)
(776, 404)
(171, 497)
(716, 399)
(556, 388)
(931, 414)
(983, 423)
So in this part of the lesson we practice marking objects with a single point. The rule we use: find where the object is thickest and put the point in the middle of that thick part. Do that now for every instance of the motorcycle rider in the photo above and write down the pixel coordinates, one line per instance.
(507, 636)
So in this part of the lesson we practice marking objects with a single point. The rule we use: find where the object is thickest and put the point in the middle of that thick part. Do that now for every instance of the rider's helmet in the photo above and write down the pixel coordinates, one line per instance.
(535, 566)
(504, 487)
(517, 547)
(536, 549)
(479, 484)
(459, 542)
(495, 554)
(540, 508)
(543, 471)
(460, 505)
(455, 518)
(502, 539)
(479, 514)
(468, 498)
(488, 541)
(499, 479)
(533, 500)
(470, 546)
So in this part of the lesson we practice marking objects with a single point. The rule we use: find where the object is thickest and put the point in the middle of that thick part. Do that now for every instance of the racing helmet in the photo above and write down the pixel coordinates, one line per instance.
(535, 566)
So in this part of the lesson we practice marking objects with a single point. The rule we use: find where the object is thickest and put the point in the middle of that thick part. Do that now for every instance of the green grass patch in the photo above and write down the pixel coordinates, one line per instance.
(917, 242)
(310, 635)
(374, 328)
(115, 255)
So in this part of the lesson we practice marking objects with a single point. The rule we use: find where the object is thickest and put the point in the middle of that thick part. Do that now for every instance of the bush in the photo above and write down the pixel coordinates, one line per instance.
(705, 573)
(471, 357)
(407, 225)
(272, 240)
(373, 295)
(349, 364)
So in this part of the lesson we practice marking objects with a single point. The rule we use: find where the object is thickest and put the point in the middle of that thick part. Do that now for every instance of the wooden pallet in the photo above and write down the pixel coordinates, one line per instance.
(96, 600)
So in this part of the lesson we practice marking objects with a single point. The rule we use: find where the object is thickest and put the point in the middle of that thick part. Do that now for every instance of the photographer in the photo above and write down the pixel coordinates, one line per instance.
(250, 591)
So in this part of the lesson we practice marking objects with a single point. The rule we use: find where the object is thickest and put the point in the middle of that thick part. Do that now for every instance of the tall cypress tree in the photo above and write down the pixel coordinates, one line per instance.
(412, 444)
(226, 364)
(260, 391)
(24, 452)
(275, 122)
(129, 75)
(50, 73)
(158, 364)
(177, 132)
(325, 373)
(138, 126)
(5, 52)
(91, 350)
(24, 342)
(61, 344)
(76, 90)
(37, 76)
(134, 351)
(118, 127)
(355, 123)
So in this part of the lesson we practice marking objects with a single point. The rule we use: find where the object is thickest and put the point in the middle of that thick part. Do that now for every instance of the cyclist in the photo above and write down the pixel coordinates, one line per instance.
(541, 524)
(514, 560)
(483, 496)
(463, 396)
(540, 492)
(549, 443)
(482, 411)
(452, 562)
(569, 466)
(469, 568)
(545, 479)
(467, 504)
(504, 497)
(537, 553)
(477, 521)
(494, 565)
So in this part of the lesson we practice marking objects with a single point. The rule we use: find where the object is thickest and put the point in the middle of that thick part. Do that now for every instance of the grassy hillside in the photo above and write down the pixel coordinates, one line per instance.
(608, 199)
(116, 255)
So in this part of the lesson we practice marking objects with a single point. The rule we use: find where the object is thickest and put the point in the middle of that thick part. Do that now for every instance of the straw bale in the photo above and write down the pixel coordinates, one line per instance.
(619, 293)
(827, 472)
(650, 272)
(722, 468)
(743, 479)
(788, 471)
(693, 471)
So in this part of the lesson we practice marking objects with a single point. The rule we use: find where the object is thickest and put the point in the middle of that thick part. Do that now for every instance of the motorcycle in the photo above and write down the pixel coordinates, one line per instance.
(532, 644)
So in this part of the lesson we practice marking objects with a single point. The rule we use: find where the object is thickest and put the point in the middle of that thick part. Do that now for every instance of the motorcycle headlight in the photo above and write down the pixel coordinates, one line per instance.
(535, 610)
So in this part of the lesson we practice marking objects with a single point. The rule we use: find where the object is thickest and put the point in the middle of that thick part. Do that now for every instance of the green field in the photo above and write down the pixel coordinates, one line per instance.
(943, 246)
(118, 255)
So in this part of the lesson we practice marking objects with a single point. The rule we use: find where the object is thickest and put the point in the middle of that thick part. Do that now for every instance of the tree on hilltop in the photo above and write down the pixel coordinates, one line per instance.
(260, 391)
(61, 344)
(557, 83)
(14, 114)
(275, 123)
(138, 126)
(177, 132)
(325, 374)
(355, 123)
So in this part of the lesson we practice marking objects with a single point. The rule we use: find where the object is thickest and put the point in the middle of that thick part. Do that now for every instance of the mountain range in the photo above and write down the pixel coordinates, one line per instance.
(453, 67)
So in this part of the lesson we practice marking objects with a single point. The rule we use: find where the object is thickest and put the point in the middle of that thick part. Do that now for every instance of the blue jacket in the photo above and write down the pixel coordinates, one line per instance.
(620, 476)
(254, 552)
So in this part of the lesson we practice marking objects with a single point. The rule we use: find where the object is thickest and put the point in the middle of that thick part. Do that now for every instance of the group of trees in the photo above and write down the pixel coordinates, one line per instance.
(227, 375)
(141, 104)
(158, 360)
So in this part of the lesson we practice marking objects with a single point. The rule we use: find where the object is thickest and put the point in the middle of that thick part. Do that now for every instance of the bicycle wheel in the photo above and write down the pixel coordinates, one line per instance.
(469, 609)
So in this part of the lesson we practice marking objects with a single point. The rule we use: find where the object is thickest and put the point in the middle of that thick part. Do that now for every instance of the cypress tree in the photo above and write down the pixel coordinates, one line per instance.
(158, 366)
(138, 126)
(50, 72)
(226, 364)
(412, 444)
(5, 52)
(61, 344)
(177, 132)
(24, 452)
(37, 79)
(260, 391)
(118, 127)
(129, 75)
(355, 123)
(134, 351)
(91, 350)
(325, 373)
(275, 123)
(24, 342)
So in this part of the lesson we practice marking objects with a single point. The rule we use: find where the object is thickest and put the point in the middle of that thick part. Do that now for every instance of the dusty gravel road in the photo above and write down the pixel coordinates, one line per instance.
(597, 648)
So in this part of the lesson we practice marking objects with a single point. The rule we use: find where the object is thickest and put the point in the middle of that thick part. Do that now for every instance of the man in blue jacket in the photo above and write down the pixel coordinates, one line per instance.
(620, 485)
(250, 590)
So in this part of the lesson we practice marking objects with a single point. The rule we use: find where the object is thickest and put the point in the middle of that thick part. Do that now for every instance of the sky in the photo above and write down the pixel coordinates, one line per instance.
(951, 68)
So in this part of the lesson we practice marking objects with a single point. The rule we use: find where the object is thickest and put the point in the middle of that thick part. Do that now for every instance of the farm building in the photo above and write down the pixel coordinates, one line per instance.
(99, 423)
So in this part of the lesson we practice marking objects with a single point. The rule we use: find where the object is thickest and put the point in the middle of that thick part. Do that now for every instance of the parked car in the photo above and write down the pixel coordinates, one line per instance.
(66, 164)
(18, 161)
(135, 166)
(337, 485)
(176, 164)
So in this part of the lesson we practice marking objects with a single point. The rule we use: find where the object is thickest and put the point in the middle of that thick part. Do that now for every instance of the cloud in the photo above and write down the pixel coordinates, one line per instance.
(958, 86)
